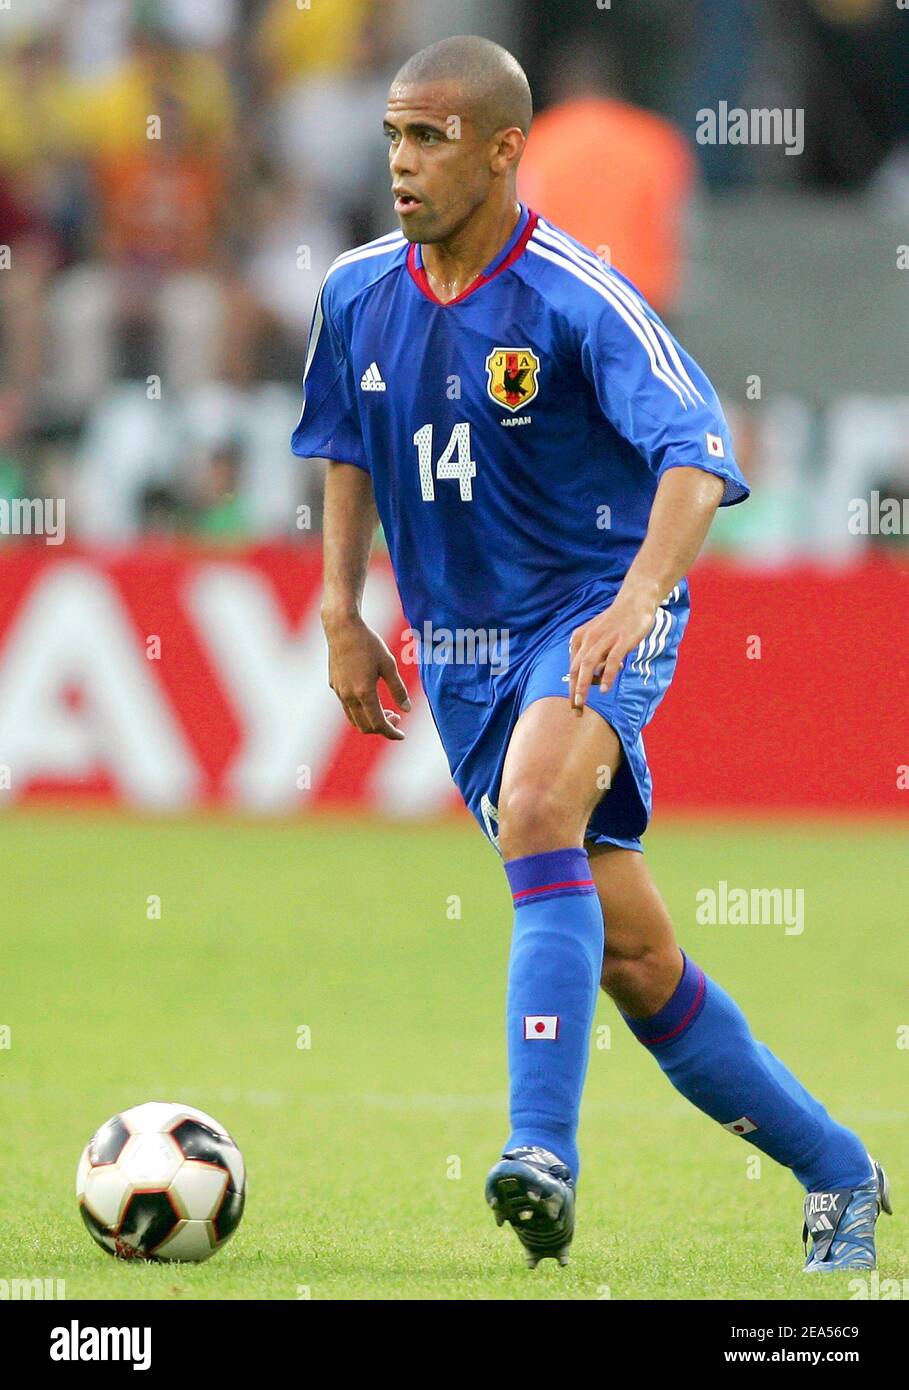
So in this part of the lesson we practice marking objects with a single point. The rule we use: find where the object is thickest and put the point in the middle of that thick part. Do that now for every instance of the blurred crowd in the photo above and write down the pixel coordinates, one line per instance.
(174, 179)
(176, 175)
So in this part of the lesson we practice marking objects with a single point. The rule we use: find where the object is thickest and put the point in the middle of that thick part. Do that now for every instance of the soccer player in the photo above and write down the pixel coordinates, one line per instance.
(545, 460)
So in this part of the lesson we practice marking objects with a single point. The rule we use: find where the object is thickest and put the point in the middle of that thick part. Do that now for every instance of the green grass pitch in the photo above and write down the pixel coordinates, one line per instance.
(367, 1151)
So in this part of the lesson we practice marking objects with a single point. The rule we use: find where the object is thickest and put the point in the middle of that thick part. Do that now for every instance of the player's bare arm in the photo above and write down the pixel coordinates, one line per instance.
(357, 657)
(684, 505)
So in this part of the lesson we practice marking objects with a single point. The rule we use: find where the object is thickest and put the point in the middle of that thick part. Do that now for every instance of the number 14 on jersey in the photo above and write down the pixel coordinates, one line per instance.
(455, 462)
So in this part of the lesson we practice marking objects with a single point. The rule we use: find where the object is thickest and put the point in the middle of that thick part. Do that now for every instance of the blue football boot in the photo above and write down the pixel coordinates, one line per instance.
(534, 1191)
(841, 1224)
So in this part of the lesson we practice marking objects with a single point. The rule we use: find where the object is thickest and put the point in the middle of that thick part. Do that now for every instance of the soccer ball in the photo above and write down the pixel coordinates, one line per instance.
(161, 1182)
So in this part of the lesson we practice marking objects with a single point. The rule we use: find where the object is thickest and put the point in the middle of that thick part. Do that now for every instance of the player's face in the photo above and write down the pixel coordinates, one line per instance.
(440, 169)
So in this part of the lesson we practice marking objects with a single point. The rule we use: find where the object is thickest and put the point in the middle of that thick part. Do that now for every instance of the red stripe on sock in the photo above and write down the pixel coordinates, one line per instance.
(553, 887)
(651, 1042)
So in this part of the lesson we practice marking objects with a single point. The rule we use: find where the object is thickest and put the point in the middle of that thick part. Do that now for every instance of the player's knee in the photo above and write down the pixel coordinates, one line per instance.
(642, 982)
(534, 819)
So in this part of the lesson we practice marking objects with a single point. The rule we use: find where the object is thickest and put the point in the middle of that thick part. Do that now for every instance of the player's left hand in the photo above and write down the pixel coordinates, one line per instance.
(599, 646)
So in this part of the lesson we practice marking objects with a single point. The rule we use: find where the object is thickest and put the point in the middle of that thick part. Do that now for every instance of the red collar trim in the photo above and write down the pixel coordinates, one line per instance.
(420, 278)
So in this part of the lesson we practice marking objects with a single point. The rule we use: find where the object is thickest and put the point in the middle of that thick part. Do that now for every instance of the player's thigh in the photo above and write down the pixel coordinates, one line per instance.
(556, 768)
(642, 963)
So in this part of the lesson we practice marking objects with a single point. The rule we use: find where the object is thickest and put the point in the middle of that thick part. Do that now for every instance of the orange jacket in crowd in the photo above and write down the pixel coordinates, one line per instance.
(615, 177)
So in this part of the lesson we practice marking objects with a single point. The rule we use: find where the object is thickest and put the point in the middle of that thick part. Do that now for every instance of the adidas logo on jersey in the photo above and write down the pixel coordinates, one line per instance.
(371, 380)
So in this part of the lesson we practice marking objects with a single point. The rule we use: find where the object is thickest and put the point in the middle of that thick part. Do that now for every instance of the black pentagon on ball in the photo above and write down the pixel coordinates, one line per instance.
(149, 1218)
(97, 1229)
(197, 1141)
(107, 1143)
(227, 1217)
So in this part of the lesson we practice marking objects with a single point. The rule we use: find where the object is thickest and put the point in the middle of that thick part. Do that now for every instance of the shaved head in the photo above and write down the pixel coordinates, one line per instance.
(494, 87)
(456, 124)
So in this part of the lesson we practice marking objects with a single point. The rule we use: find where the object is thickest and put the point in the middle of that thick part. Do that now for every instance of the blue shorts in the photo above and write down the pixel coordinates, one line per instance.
(476, 708)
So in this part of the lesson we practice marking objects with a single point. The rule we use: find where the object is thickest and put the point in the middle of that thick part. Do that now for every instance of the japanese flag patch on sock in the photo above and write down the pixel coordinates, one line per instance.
(742, 1126)
(542, 1026)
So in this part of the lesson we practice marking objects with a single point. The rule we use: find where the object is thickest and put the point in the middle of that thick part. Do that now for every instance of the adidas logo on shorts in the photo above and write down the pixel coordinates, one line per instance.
(371, 380)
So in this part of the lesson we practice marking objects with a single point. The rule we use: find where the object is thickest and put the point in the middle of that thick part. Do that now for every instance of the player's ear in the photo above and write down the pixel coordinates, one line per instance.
(509, 146)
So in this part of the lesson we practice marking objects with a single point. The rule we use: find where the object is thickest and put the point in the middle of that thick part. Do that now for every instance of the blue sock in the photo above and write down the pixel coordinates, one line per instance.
(553, 979)
(702, 1041)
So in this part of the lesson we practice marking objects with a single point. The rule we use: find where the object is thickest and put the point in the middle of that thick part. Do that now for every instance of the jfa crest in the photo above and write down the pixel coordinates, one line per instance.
(511, 376)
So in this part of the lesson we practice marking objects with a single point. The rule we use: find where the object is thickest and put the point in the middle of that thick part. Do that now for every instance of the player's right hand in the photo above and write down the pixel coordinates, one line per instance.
(357, 660)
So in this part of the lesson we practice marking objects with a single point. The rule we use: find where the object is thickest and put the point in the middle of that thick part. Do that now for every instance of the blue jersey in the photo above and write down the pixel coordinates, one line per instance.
(514, 436)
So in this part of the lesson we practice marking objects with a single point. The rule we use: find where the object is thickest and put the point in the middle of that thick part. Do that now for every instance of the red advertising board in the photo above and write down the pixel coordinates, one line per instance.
(168, 678)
